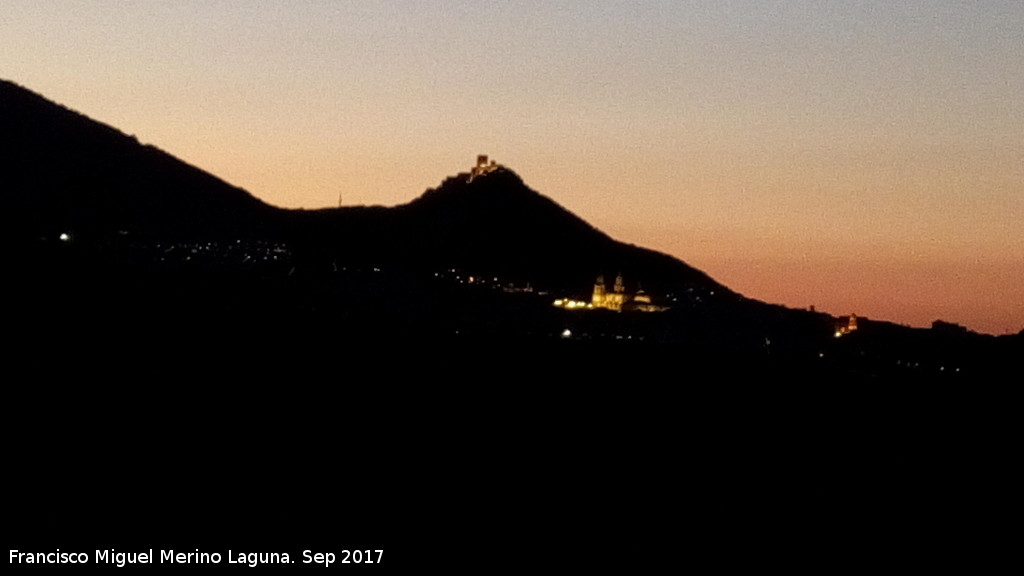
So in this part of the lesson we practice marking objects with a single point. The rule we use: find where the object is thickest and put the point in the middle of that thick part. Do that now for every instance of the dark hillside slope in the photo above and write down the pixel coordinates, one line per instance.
(491, 226)
(63, 172)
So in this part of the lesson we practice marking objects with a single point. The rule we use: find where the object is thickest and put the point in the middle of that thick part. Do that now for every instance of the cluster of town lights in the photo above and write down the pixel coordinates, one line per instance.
(573, 304)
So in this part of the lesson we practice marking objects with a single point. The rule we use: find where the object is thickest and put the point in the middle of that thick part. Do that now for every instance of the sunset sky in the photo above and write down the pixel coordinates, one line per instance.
(857, 155)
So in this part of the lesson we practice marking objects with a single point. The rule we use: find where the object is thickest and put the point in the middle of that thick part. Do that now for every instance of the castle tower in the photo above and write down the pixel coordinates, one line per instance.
(620, 288)
(483, 166)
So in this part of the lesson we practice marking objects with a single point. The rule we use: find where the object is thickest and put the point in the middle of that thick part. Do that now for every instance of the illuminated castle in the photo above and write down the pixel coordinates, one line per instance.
(483, 167)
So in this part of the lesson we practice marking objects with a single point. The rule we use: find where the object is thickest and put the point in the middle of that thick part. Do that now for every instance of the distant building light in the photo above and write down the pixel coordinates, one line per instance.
(65, 237)
(566, 333)
(848, 327)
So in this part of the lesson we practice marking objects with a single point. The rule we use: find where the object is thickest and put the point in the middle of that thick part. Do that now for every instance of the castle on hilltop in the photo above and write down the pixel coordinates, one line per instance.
(483, 167)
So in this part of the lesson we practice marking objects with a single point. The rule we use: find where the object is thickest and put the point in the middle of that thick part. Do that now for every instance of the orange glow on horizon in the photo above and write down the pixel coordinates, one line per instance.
(983, 295)
(860, 157)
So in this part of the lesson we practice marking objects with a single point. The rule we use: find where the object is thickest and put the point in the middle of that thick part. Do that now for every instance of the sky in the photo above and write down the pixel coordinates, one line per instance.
(855, 155)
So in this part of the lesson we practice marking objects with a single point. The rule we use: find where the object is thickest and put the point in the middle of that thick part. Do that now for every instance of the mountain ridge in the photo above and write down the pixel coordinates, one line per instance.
(68, 172)
(104, 229)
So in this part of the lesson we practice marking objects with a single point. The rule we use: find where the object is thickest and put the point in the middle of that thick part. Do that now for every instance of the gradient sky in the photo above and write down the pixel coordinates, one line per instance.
(858, 155)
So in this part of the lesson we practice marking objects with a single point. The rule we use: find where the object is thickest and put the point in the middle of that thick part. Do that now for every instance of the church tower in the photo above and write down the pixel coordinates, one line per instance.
(598, 299)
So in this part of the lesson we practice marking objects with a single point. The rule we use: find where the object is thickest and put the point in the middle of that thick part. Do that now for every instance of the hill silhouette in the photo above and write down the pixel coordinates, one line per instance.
(63, 171)
(106, 231)
(492, 226)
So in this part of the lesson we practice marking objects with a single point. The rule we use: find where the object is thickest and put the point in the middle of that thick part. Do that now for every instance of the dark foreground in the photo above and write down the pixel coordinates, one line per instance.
(467, 432)
(473, 455)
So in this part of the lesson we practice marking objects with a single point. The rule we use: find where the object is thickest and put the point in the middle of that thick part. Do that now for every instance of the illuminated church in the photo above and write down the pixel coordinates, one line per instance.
(618, 299)
(613, 300)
